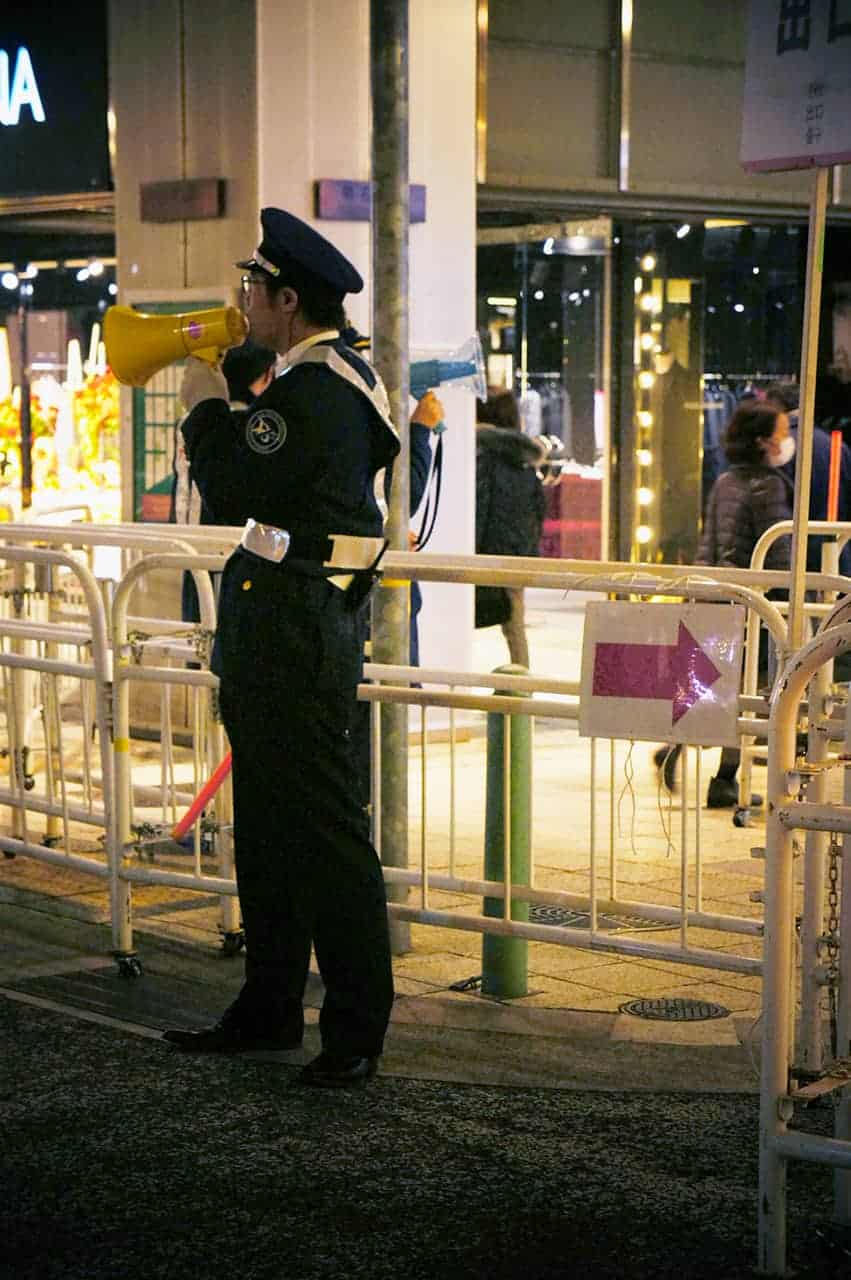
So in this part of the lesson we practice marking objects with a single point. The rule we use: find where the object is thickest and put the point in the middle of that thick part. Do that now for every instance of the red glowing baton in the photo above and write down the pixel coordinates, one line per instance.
(833, 474)
(208, 790)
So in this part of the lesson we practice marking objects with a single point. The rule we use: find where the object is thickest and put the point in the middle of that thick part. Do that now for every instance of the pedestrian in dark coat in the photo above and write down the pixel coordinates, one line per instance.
(750, 497)
(509, 512)
(756, 491)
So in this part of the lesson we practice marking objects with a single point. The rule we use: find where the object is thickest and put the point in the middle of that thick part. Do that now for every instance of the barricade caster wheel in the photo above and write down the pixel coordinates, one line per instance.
(233, 942)
(742, 818)
(129, 967)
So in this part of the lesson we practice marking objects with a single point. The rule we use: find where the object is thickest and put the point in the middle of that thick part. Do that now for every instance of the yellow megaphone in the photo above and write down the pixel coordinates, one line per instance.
(139, 345)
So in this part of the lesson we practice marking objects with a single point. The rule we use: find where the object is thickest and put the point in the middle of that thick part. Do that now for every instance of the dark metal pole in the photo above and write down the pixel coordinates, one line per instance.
(390, 222)
(26, 414)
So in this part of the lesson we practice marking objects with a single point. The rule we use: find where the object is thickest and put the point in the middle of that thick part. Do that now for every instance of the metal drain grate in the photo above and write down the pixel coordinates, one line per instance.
(675, 1009)
(540, 913)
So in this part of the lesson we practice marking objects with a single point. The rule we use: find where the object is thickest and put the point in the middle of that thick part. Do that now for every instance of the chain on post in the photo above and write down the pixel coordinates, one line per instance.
(136, 643)
(202, 642)
(830, 939)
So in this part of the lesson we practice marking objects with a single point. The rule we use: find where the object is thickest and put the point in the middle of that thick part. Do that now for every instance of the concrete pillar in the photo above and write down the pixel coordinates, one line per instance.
(313, 111)
(272, 95)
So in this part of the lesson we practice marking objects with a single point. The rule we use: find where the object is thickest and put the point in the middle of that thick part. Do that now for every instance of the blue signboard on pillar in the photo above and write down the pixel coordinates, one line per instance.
(342, 200)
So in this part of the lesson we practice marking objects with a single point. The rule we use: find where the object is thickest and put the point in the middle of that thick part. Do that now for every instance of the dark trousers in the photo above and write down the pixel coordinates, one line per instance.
(306, 870)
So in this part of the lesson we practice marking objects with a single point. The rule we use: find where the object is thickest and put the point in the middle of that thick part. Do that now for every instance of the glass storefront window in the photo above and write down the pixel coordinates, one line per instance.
(717, 316)
(690, 315)
(543, 317)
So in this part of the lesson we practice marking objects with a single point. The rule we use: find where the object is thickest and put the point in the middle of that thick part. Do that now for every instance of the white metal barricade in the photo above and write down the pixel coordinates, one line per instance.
(48, 805)
(784, 1081)
(462, 569)
(208, 743)
(159, 641)
(835, 535)
(61, 608)
(622, 580)
(822, 728)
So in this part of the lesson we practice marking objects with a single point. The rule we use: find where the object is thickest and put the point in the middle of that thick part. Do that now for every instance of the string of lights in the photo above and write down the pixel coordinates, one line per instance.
(646, 344)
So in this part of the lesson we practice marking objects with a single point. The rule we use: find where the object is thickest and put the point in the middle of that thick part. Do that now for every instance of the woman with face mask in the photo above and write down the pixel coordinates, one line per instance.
(753, 494)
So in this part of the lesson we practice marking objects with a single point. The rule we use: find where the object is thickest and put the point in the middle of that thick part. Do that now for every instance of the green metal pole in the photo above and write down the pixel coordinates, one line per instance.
(509, 785)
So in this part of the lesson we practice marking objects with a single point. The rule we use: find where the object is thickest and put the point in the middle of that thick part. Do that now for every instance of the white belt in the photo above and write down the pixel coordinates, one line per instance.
(350, 552)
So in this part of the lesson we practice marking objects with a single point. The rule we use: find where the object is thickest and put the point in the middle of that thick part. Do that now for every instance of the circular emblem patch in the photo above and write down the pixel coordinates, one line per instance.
(265, 431)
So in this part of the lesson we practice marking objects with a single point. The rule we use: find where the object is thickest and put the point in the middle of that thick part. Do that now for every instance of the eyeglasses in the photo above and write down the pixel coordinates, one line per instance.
(247, 283)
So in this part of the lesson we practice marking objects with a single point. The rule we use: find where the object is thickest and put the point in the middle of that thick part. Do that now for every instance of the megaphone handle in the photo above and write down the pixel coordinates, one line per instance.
(210, 355)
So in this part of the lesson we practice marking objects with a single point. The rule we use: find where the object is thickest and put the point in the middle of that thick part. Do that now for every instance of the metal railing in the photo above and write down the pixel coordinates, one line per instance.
(785, 1080)
(171, 643)
(817, 720)
(157, 652)
(39, 653)
(513, 696)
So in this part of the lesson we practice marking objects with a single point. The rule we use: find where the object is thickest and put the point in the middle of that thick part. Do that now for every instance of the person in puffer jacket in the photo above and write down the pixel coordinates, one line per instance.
(509, 511)
(745, 500)
(754, 493)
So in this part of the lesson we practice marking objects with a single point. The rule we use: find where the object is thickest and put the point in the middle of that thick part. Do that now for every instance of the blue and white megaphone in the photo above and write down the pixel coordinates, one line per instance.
(465, 366)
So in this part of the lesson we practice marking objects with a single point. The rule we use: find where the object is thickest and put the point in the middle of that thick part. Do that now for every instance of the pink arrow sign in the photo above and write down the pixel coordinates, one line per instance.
(681, 672)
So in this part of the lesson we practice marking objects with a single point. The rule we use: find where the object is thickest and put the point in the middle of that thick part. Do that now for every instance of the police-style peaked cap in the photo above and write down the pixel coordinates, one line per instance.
(287, 240)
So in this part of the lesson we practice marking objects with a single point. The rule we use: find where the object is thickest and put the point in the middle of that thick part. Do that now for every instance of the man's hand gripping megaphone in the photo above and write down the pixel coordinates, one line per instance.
(201, 381)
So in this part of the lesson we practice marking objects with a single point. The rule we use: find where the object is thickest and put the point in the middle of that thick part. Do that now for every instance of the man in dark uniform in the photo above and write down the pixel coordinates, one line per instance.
(299, 469)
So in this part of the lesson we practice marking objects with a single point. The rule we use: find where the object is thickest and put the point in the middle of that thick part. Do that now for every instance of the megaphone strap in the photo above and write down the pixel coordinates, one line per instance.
(432, 496)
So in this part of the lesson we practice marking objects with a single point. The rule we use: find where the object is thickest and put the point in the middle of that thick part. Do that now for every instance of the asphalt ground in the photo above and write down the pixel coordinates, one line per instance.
(123, 1158)
(495, 1143)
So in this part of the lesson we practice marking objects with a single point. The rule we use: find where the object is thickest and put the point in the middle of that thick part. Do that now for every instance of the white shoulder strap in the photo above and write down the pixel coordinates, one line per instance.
(377, 395)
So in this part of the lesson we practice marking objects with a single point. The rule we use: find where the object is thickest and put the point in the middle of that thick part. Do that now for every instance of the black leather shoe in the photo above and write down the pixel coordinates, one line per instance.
(723, 793)
(231, 1036)
(330, 1072)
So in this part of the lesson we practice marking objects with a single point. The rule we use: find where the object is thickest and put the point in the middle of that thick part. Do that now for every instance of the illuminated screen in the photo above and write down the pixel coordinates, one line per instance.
(53, 98)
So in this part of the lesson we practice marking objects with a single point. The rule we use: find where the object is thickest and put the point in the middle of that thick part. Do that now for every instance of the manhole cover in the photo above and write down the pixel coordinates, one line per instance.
(674, 1009)
(567, 917)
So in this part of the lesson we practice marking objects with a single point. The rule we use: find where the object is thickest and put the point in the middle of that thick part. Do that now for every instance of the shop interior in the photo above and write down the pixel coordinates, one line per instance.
(628, 345)
(57, 278)
(57, 263)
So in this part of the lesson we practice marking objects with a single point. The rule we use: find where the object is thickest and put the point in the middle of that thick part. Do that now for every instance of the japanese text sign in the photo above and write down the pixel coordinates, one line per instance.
(343, 200)
(797, 109)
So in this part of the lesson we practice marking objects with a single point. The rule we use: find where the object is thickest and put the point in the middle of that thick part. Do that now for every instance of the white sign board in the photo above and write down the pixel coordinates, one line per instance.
(662, 672)
(797, 109)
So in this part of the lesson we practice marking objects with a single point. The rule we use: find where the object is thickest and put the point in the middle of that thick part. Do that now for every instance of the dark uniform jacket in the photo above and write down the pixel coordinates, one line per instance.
(304, 458)
(743, 503)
